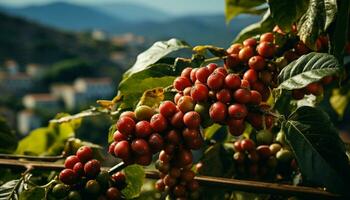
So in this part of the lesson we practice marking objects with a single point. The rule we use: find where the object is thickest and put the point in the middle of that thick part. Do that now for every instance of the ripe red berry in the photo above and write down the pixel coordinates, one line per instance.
(177, 97)
(177, 120)
(315, 88)
(92, 168)
(190, 134)
(143, 129)
(126, 125)
(242, 96)
(246, 53)
(144, 112)
(251, 42)
(266, 77)
(122, 150)
(144, 160)
(245, 84)
(155, 142)
(167, 109)
(84, 154)
(247, 145)
(180, 83)
(68, 176)
(175, 172)
(234, 48)
(130, 114)
(192, 119)
(202, 74)
(232, 61)
(221, 70)
(237, 146)
(216, 81)
(255, 97)
(300, 48)
(237, 111)
(199, 92)
(267, 37)
(186, 72)
(164, 157)
(140, 146)
(266, 49)
(113, 193)
(212, 67)
(169, 181)
(187, 175)
(193, 75)
(179, 191)
(185, 104)
(264, 151)
(111, 147)
(236, 126)
(257, 63)
(158, 123)
(160, 186)
(79, 169)
(118, 136)
(218, 112)
(224, 96)
(262, 89)
(71, 161)
(232, 81)
(119, 177)
(251, 76)
(327, 80)
(184, 158)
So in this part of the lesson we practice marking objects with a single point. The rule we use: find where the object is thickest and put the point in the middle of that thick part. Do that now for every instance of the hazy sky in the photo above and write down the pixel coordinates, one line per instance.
(177, 7)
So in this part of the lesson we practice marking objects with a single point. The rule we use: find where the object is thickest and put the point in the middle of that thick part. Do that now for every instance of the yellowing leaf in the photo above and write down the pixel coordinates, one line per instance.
(152, 97)
(339, 102)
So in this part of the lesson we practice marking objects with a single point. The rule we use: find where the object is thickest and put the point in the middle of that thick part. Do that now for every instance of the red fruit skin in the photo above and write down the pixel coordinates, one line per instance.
(237, 111)
(300, 48)
(190, 134)
(251, 76)
(221, 70)
(179, 191)
(242, 96)
(158, 123)
(113, 193)
(111, 148)
(216, 80)
(327, 80)
(177, 97)
(126, 125)
(246, 53)
(119, 177)
(256, 120)
(199, 92)
(177, 120)
(164, 157)
(71, 161)
(315, 88)
(185, 104)
(224, 96)
(143, 129)
(232, 61)
(195, 144)
(160, 185)
(267, 37)
(266, 49)
(186, 72)
(247, 145)
(130, 114)
(84, 154)
(232, 81)
(140, 146)
(257, 63)
(180, 83)
(144, 160)
(92, 168)
(192, 119)
(255, 97)
(193, 75)
(245, 84)
(234, 48)
(236, 126)
(122, 150)
(187, 175)
(169, 181)
(237, 146)
(118, 136)
(251, 42)
(167, 109)
(212, 67)
(262, 89)
(155, 142)
(68, 176)
(218, 112)
(78, 168)
(202, 74)
(264, 151)
(184, 158)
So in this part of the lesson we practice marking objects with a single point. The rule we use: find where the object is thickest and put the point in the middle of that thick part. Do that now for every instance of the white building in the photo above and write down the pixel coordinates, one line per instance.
(42, 102)
(68, 94)
(27, 121)
(94, 88)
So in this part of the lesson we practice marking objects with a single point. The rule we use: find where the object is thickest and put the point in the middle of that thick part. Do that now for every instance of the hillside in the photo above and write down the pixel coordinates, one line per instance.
(30, 42)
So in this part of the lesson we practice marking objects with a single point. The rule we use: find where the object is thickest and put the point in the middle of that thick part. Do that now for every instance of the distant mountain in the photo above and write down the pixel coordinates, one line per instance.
(28, 42)
(133, 12)
(66, 16)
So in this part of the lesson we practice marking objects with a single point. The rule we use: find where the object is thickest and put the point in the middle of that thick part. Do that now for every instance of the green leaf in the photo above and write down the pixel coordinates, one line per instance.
(317, 18)
(135, 176)
(266, 24)
(285, 13)
(157, 51)
(236, 7)
(9, 190)
(216, 51)
(32, 193)
(318, 149)
(339, 101)
(8, 139)
(307, 69)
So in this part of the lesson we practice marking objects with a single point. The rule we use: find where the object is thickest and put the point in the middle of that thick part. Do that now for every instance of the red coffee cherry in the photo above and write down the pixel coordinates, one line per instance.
(224, 96)
(84, 154)
(190, 134)
(167, 109)
(184, 158)
(237, 111)
(202, 74)
(232, 61)
(130, 114)
(111, 148)
(300, 48)
(118, 136)
(221, 70)
(246, 53)
(122, 150)
(78, 168)
(237, 146)
(140, 146)
(126, 125)
(193, 75)
(212, 67)
(186, 72)
(264, 151)
(315, 88)
(177, 120)
(232, 81)
(234, 48)
(218, 112)
(216, 80)
(144, 160)
(113, 193)
(71, 161)
(143, 129)
(160, 186)
(68, 176)
(242, 96)
(177, 97)
(92, 168)
(199, 92)
(119, 177)
(180, 83)
(179, 191)
(175, 172)
(257, 63)
(155, 142)
(245, 84)
(192, 119)
(158, 123)
(164, 157)
(187, 175)
(250, 42)
(267, 37)
(255, 97)
(266, 49)
(169, 181)
(247, 145)
(251, 76)
(236, 126)
(185, 104)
